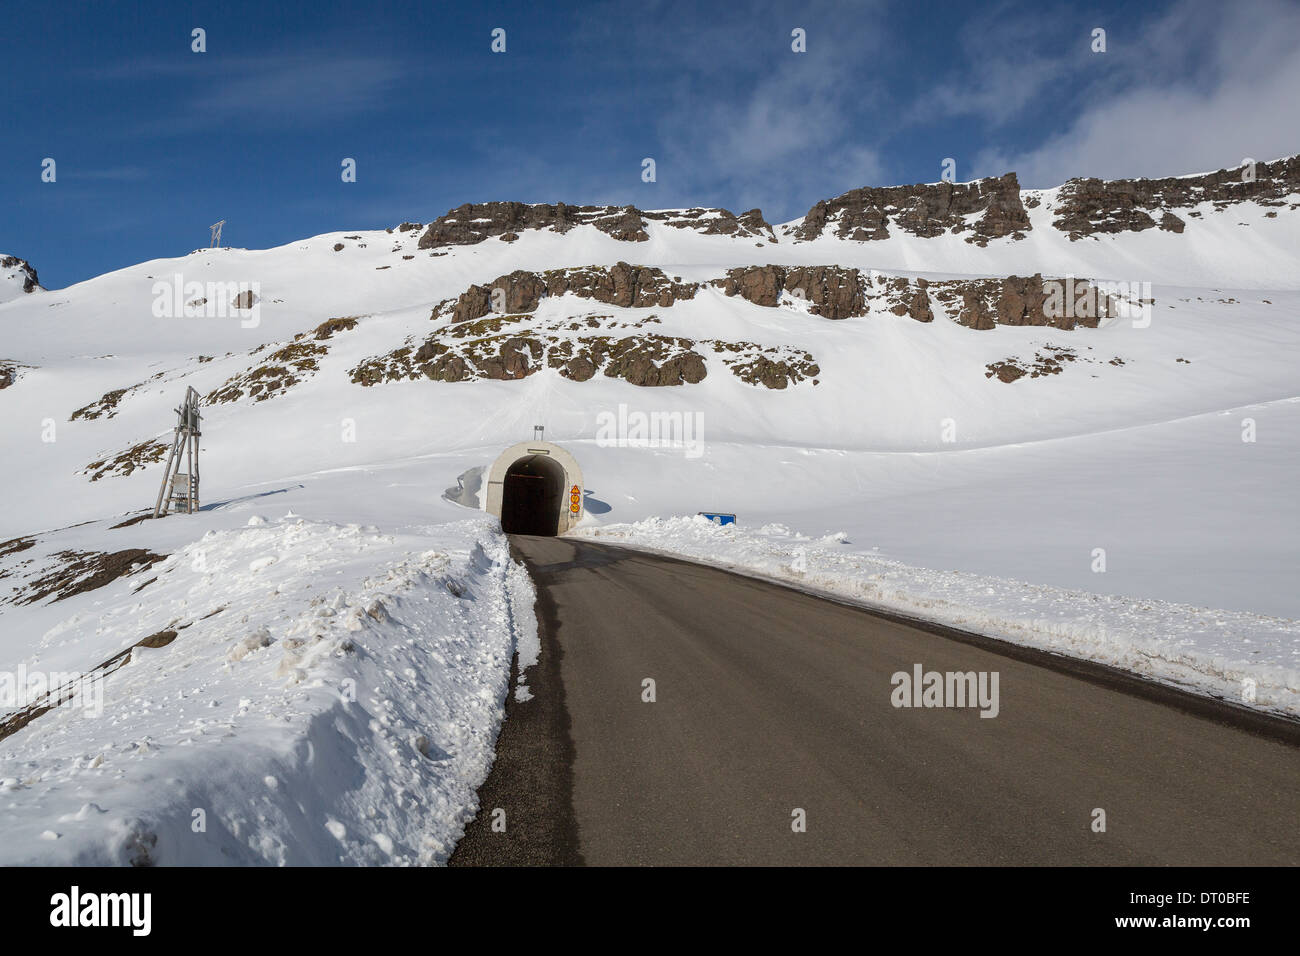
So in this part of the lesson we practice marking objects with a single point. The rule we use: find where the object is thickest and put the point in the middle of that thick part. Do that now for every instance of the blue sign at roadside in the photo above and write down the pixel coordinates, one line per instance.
(718, 518)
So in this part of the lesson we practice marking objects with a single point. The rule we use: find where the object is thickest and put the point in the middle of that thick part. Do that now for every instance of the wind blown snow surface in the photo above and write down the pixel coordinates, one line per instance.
(1243, 657)
(332, 695)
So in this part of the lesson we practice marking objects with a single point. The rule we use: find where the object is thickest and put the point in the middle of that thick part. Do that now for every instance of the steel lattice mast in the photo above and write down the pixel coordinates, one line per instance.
(181, 488)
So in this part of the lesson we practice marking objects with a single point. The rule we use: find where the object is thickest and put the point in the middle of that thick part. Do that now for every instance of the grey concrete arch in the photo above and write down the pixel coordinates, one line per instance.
(535, 488)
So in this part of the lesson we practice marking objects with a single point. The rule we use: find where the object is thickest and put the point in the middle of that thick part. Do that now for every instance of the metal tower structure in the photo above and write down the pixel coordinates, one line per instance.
(180, 489)
(216, 235)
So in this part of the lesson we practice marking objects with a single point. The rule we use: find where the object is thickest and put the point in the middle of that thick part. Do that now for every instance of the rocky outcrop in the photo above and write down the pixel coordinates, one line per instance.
(10, 373)
(1046, 361)
(512, 347)
(775, 367)
(105, 407)
(834, 292)
(520, 291)
(69, 573)
(980, 211)
(761, 285)
(646, 359)
(476, 222)
(716, 222)
(327, 329)
(122, 464)
(838, 293)
(831, 291)
(280, 370)
(910, 297)
(1014, 300)
(23, 274)
(1087, 207)
(925, 210)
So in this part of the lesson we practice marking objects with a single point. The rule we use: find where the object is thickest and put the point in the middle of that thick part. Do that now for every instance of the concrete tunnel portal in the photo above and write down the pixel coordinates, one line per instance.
(535, 488)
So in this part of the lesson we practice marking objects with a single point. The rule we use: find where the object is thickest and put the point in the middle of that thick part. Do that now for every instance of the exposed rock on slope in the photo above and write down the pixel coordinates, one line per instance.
(716, 222)
(1048, 360)
(284, 368)
(982, 210)
(645, 359)
(622, 285)
(137, 456)
(924, 210)
(18, 275)
(1090, 206)
(512, 347)
(10, 372)
(475, 222)
(839, 293)
(984, 303)
(831, 291)
(76, 572)
(770, 367)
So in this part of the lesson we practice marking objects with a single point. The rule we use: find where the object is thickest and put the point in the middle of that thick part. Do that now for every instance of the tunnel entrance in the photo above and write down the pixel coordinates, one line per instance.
(535, 487)
(532, 495)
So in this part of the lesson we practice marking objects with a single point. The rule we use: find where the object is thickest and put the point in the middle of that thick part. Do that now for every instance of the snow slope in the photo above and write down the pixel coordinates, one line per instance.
(331, 695)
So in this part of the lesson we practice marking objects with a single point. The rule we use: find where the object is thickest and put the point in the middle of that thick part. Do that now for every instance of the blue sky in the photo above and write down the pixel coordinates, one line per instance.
(154, 142)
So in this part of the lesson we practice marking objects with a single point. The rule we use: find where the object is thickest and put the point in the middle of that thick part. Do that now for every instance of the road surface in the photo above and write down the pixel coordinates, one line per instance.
(772, 706)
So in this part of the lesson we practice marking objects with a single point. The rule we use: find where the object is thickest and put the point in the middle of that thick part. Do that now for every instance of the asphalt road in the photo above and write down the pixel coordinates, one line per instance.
(769, 701)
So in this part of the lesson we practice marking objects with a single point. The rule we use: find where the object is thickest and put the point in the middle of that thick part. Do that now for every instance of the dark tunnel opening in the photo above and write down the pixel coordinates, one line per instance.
(531, 496)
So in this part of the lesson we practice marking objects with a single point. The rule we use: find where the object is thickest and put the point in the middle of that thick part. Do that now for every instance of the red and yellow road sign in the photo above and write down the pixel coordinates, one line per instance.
(575, 499)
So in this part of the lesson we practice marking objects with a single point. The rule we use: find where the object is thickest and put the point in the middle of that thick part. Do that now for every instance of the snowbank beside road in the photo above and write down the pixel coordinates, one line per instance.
(1238, 656)
(330, 694)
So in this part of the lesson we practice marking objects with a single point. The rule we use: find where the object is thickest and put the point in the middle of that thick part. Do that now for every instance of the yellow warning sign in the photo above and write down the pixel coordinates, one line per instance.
(575, 499)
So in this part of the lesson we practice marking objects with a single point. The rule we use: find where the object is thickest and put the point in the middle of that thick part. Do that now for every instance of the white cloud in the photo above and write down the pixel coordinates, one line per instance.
(775, 130)
(1237, 96)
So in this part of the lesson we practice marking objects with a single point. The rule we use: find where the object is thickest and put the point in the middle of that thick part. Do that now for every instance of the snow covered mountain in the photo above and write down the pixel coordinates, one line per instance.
(17, 278)
(1063, 416)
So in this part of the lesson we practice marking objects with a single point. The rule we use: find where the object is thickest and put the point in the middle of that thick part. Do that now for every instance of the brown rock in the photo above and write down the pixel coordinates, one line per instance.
(1090, 206)
(761, 285)
(925, 210)
(1171, 223)
(30, 282)
(831, 291)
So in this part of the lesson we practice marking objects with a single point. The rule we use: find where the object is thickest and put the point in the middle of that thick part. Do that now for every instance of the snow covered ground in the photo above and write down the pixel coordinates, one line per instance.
(1134, 507)
(331, 693)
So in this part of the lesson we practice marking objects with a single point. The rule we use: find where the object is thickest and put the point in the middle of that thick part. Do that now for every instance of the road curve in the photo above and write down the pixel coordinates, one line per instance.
(769, 701)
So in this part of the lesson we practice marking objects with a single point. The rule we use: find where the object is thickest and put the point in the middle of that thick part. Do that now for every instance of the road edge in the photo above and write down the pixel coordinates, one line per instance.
(1274, 726)
(532, 760)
